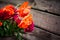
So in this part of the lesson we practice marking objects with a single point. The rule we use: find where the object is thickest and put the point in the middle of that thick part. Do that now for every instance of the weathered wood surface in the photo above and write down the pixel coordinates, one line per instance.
(14, 1)
(49, 5)
(39, 34)
(47, 21)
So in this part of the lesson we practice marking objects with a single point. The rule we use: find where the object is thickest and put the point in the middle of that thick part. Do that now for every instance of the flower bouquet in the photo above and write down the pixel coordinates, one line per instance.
(15, 21)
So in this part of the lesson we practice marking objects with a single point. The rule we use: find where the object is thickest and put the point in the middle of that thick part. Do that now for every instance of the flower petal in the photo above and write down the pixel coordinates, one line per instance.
(24, 5)
(0, 23)
(24, 9)
(26, 21)
(30, 28)
(16, 19)
(8, 11)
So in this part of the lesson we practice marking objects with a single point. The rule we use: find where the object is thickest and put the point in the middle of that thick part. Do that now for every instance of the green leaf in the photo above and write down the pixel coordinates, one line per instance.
(19, 37)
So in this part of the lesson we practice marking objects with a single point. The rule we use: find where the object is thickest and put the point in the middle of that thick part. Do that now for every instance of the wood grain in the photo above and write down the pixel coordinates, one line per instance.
(39, 34)
(47, 21)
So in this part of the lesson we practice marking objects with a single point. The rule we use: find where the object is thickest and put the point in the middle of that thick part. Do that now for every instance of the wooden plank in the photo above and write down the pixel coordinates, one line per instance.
(47, 21)
(39, 34)
(48, 5)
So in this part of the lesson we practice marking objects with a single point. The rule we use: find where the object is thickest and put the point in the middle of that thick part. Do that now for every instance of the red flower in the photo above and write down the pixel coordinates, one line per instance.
(30, 28)
(8, 11)
(16, 19)
(1, 13)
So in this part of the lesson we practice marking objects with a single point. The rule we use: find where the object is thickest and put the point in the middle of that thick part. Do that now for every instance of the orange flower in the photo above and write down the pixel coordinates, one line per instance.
(0, 23)
(24, 9)
(26, 21)
(24, 5)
